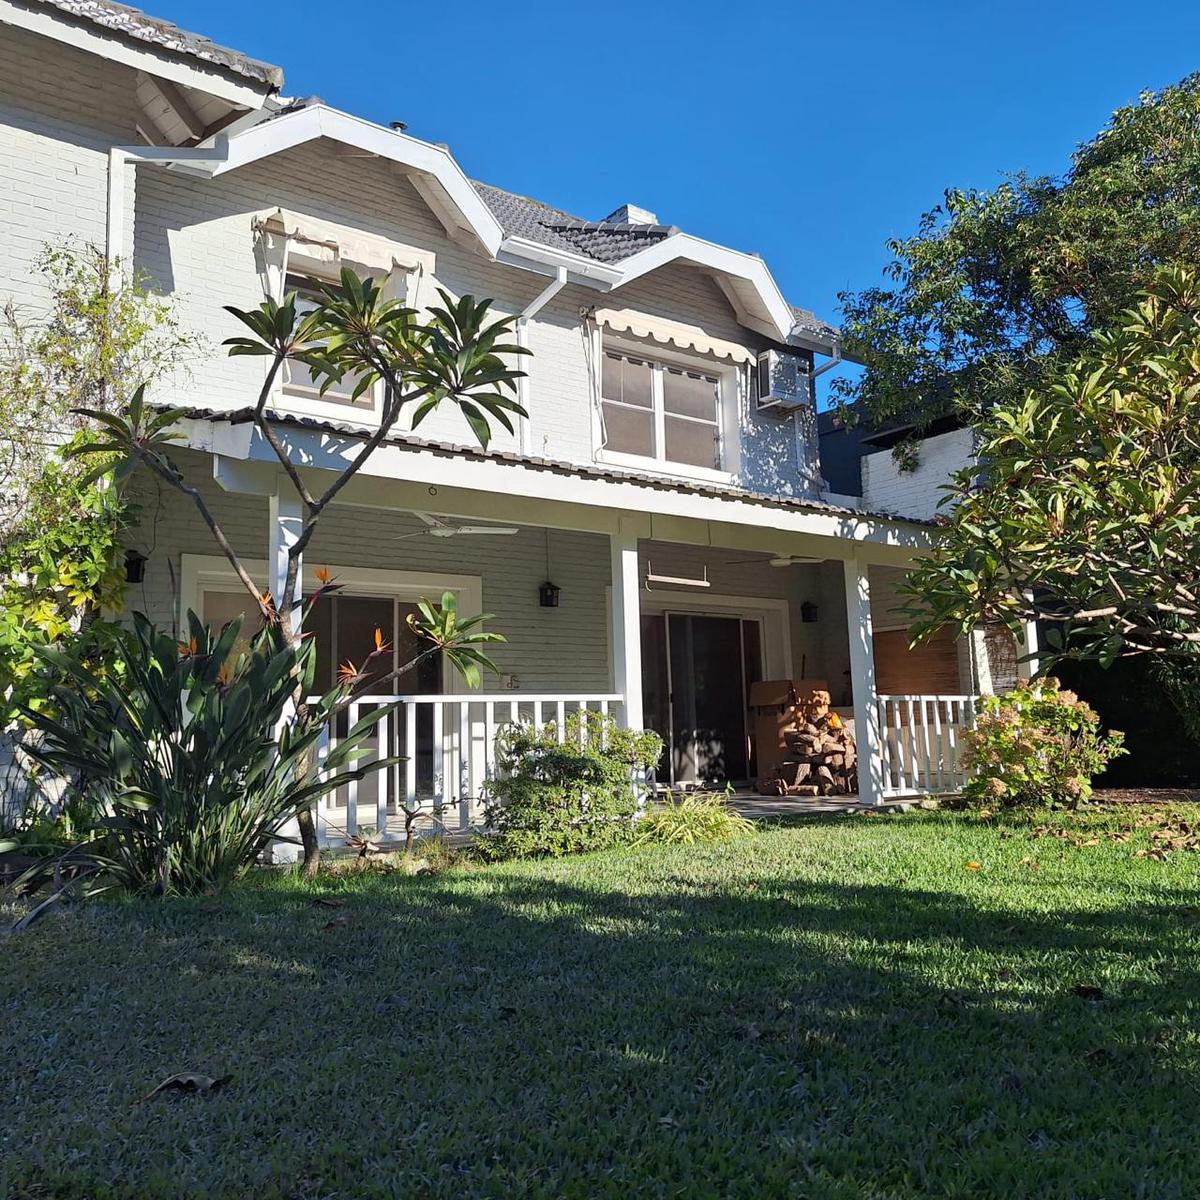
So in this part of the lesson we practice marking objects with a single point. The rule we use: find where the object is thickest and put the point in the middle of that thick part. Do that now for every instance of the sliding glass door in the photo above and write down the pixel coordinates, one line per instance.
(696, 671)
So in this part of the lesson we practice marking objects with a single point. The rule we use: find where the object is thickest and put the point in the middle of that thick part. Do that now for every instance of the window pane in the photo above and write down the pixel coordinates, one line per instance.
(629, 430)
(692, 442)
(626, 380)
(689, 395)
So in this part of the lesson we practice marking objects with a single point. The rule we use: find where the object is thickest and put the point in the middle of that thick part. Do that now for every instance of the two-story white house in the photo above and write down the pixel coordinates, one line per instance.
(667, 482)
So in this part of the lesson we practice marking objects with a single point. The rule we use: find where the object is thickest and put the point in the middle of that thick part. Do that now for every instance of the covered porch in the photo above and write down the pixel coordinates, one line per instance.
(672, 600)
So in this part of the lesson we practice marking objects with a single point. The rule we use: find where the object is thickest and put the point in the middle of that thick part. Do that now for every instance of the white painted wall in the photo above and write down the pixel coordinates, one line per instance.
(886, 488)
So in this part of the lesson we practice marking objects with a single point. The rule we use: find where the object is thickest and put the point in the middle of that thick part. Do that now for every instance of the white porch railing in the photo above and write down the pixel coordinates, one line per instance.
(921, 737)
(448, 744)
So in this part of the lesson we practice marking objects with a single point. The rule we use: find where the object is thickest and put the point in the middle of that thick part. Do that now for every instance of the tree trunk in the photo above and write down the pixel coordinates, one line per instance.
(308, 838)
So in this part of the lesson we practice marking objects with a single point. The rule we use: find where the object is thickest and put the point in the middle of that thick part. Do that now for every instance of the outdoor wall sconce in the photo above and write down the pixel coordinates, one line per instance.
(548, 595)
(135, 566)
(808, 612)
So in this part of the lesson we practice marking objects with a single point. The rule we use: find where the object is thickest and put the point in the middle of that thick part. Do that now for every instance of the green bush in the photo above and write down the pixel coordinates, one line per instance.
(555, 797)
(1036, 744)
(700, 817)
(184, 760)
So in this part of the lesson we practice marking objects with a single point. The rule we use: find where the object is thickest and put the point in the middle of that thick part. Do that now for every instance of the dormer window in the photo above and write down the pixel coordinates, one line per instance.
(660, 411)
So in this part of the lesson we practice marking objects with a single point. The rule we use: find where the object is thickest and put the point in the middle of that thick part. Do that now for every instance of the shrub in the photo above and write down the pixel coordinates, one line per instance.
(700, 817)
(1036, 744)
(555, 797)
(184, 760)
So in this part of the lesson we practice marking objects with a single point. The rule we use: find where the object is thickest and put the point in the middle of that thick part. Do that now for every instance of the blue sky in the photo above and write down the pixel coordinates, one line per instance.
(808, 133)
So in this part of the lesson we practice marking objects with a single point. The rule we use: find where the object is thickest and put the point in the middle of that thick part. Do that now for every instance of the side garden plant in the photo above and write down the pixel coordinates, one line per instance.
(1036, 744)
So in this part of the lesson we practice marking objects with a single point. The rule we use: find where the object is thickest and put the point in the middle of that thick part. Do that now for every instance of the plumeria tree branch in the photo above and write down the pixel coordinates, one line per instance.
(456, 353)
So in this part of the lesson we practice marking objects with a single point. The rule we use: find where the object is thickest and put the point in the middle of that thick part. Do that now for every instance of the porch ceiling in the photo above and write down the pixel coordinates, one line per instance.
(410, 474)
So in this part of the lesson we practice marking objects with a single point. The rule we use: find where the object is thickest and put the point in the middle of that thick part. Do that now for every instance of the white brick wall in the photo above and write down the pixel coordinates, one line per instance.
(915, 493)
(60, 111)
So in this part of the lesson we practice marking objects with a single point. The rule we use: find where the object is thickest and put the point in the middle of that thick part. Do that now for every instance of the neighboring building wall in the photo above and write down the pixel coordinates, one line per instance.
(886, 488)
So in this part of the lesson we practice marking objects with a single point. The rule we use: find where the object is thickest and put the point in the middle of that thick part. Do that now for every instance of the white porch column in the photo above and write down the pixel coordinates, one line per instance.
(286, 518)
(627, 626)
(862, 678)
(1029, 645)
(284, 528)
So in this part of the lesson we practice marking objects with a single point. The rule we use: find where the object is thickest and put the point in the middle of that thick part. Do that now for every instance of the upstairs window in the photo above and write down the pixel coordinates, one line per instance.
(653, 410)
(297, 378)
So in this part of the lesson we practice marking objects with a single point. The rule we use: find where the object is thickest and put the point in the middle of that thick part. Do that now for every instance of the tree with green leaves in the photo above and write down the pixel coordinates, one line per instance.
(1083, 509)
(96, 339)
(454, 353)
(999, 290)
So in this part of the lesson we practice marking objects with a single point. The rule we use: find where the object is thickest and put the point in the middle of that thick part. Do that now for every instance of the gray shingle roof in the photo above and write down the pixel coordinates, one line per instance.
(519, 216)
(135, 24)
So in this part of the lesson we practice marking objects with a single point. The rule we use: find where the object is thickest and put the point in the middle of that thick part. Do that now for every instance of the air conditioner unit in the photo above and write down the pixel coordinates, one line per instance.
(783, 382)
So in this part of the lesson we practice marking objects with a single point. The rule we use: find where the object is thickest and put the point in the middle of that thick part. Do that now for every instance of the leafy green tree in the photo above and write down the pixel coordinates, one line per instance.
(1083, 510)
(98, 338)
(999, 290)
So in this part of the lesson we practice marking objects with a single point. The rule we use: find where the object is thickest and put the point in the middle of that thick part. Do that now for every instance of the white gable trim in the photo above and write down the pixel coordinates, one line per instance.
(744, 278)
(432, 170)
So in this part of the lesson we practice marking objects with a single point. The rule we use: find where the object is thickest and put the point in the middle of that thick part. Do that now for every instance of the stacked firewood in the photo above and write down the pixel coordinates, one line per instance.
(820, 758)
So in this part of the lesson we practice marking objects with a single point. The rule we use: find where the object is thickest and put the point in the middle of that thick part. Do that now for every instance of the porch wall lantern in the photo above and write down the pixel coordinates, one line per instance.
(808, 612)
(548, 593)
(135, 566)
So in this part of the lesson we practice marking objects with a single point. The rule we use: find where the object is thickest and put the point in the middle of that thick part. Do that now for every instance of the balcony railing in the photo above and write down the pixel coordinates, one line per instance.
(448, 744)
(922, 743)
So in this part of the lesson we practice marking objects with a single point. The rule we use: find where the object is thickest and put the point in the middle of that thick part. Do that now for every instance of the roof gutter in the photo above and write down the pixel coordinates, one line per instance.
(521, 252)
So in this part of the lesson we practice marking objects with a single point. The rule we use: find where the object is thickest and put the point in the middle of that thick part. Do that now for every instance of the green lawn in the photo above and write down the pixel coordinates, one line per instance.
(837, 1009)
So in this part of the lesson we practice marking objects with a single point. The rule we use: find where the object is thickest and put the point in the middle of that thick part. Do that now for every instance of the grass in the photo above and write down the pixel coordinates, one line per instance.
(845, 1008)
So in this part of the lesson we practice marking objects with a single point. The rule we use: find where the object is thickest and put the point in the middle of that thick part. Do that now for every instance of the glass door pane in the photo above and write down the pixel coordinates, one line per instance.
(708, 708)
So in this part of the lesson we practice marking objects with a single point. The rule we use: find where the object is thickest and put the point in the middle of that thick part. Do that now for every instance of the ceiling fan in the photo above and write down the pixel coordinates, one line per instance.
(777, 560)
(435, 527)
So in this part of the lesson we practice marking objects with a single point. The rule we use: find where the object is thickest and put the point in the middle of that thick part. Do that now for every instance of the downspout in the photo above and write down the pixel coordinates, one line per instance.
(535, 306)
(804, 436)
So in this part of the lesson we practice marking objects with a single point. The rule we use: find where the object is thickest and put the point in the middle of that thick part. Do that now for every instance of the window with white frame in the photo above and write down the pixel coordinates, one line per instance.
(656, 410)
(298, 380)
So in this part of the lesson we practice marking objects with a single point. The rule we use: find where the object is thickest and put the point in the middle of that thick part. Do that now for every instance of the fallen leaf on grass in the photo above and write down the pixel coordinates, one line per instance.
(974, 866)
(189, 1081)
(1031, 863)
(1088, 991)
(336, 923)
(328, 902)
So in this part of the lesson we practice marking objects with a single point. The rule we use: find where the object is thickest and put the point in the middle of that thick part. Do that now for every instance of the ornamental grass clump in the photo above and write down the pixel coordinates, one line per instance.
(690, 820)
(1037, 744)
(557, 796)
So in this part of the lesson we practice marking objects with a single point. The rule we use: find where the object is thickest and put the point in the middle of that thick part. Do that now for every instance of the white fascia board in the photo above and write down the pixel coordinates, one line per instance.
(602, 501)
(774, 315)
(317, 121)
(192, 73)
(530, 255)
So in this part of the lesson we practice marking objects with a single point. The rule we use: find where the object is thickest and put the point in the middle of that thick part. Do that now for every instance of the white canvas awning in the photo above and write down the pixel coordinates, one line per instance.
(327, 241)
(672, 333)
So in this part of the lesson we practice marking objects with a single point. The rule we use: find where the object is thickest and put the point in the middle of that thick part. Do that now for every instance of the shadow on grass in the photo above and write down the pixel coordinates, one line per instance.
(658, 1029)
